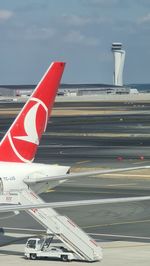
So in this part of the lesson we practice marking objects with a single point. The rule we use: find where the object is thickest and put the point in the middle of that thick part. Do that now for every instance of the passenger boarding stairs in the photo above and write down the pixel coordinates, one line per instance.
(62, 227)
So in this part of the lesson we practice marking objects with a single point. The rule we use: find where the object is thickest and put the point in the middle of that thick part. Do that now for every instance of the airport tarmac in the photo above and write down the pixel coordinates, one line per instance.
(115, 254)
(122, 229)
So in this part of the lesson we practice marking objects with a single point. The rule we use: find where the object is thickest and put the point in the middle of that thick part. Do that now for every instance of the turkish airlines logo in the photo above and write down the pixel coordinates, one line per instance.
(30, 126)
(27, 130)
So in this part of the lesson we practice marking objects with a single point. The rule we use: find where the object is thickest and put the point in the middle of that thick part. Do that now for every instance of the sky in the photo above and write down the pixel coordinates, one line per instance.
(33, 33)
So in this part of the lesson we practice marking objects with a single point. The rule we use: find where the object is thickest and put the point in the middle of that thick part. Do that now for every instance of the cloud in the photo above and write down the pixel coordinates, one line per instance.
(5, 14)
(145, 19)
(76, 20)
(79, 38)
(39, 33)
(81, 21)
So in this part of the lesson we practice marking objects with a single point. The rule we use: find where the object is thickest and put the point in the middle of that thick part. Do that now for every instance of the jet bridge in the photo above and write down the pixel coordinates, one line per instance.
(63, 228)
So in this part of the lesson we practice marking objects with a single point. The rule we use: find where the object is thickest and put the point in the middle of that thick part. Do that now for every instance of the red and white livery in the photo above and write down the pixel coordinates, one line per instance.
(22, 139)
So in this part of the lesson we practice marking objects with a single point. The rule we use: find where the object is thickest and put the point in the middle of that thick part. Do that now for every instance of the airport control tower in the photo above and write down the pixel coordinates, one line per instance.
(119, 57)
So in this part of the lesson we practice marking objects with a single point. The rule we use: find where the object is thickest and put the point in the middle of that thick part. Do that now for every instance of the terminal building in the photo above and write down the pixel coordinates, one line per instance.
(69, 90)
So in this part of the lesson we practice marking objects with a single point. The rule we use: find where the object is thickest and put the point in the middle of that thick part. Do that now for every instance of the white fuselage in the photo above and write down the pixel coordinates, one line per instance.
(12, 176)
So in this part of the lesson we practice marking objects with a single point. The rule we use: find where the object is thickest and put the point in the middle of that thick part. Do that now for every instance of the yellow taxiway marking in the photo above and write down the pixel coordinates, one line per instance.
(87, 161)
(128, 246)
(118, 185)
(142, 162)
(113, 224)
(50, 190)
(125, 237)
(128, 175)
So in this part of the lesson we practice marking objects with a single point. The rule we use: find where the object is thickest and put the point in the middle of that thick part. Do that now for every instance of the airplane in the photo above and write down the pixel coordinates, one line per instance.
(19, 145)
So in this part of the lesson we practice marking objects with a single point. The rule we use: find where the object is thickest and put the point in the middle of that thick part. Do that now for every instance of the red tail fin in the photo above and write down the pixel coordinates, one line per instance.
(21, 141)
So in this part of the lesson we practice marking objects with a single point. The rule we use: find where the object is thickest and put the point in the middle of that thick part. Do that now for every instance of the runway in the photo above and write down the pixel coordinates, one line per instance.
(73, 140)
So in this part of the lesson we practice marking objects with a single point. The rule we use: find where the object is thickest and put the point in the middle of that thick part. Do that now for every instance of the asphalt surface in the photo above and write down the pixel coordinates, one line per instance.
(72, 141)
(68, 138)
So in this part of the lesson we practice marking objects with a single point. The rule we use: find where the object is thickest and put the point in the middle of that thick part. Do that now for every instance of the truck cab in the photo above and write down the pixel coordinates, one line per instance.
(42, 247)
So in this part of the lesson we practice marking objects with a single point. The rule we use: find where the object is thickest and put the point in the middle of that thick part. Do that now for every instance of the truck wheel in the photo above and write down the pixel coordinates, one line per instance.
(64, 258)
(33, 256)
